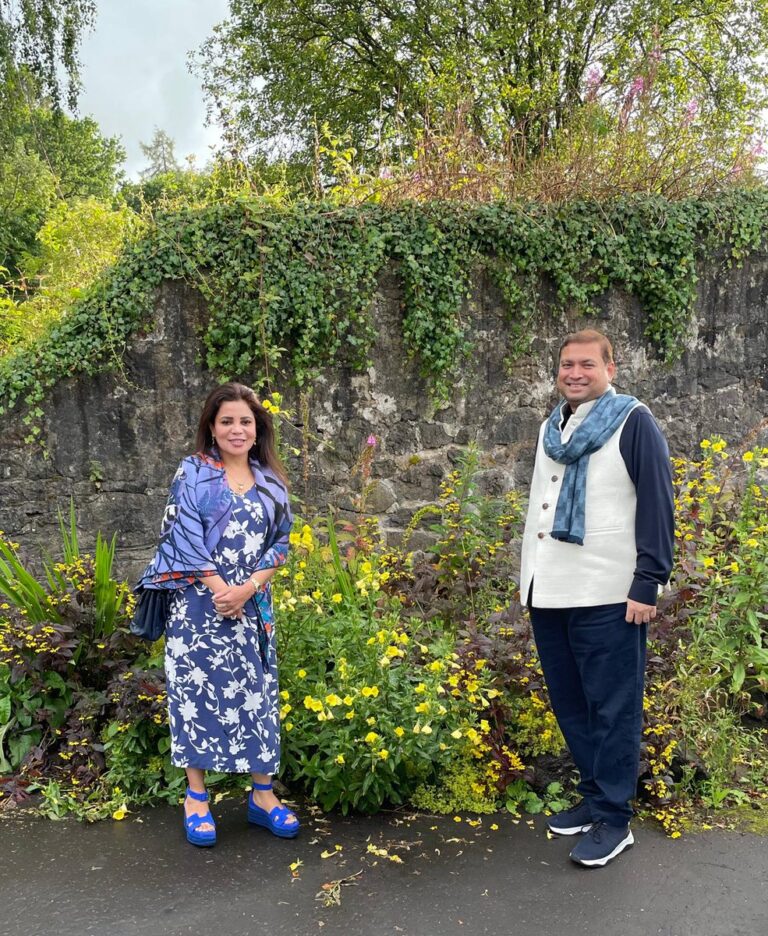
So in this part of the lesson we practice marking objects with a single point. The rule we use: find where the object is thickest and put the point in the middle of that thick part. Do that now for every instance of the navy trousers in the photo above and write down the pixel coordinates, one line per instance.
(594, 667)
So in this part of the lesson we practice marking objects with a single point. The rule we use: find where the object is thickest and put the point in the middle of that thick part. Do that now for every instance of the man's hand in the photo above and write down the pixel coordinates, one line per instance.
(639, 613)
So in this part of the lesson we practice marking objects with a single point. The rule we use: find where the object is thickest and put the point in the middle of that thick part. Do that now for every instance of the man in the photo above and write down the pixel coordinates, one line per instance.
(597, 546)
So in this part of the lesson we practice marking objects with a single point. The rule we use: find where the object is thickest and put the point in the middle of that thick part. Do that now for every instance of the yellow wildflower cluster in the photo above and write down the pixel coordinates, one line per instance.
(21, 640)
(303, 538)
(660, 747)
(272, 405)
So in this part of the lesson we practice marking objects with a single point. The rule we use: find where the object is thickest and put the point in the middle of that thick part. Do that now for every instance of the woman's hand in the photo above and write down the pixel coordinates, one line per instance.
(230, 600)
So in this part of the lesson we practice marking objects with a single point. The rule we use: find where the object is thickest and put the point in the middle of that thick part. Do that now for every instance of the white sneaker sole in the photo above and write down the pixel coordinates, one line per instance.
(573, 830)
(626, 843)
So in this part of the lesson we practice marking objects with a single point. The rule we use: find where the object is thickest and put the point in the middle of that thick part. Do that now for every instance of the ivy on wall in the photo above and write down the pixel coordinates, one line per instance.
(290, 287)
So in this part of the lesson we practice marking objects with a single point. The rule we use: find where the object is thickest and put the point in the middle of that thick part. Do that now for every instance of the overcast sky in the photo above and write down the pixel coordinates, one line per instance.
(135, 75)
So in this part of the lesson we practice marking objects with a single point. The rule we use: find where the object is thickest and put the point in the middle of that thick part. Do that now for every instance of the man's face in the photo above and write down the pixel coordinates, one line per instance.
(583, 375)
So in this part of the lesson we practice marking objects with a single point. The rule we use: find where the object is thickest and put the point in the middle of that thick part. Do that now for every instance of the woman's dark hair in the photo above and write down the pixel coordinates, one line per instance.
(264, 449)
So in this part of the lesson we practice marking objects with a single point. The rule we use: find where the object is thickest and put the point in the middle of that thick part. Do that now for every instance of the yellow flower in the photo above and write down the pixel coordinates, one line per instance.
(427, 729)
(734, 567)
(422, 707)
(333, 699)
(370, 721)
(708, 562)
(120, 813)
(383, 753)
(420, 688)
(705, 444)
(302, 674)
(748, 456)
(337, 598)
(339, 758)
(370, 691)
(350, 713)
(348, 700)
(285, 695)
(456, 734)
(371, 737)
(399, 731)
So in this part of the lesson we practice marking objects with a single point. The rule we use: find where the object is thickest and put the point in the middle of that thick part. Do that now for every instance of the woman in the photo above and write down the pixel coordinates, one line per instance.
(224, 534)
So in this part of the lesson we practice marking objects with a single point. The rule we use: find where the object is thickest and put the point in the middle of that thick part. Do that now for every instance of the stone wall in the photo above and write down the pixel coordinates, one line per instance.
(113, 442)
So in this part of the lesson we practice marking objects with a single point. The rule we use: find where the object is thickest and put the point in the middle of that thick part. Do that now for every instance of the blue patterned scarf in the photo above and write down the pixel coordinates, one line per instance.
(605, 417)
(197, 513)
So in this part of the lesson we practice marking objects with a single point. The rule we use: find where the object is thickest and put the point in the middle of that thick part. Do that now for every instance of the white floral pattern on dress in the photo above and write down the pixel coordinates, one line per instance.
(223, 707)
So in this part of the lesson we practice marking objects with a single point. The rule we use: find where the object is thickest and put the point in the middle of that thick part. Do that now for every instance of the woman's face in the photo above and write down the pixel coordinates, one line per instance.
(234, 428)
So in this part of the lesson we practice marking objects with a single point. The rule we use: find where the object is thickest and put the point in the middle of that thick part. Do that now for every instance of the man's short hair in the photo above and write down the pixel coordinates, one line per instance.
(587, 336)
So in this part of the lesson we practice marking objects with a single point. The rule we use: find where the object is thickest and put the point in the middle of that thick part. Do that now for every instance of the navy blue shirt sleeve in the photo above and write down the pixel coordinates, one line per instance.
(646, 455)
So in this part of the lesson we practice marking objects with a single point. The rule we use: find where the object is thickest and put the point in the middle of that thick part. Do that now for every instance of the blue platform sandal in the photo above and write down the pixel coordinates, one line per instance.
(280, 821)
(202, 837)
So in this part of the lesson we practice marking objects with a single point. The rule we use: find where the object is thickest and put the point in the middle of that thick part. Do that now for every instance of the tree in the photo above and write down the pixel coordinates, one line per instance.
(27, 193)
(41, 37)
(76, 242)
(46, 156)
(83, 161)
(160, 153)
(375, 69)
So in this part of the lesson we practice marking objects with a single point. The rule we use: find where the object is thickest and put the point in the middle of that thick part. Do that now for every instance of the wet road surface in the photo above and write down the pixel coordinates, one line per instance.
(139, 877)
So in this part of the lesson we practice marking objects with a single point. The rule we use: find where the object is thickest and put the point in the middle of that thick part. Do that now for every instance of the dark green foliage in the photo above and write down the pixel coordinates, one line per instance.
(290, 287)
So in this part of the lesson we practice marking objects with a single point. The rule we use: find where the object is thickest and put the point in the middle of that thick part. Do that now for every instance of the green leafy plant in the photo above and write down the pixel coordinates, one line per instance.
(290, 286)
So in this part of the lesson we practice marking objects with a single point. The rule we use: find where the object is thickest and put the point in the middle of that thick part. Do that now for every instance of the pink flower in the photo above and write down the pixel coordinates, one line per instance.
(691, 110)
(386, 173)
(637, 86)
(594, 78)
(371, 440)
(758, 149)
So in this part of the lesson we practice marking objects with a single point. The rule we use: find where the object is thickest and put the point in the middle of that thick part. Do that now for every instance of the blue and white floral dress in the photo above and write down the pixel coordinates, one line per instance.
(221, 672)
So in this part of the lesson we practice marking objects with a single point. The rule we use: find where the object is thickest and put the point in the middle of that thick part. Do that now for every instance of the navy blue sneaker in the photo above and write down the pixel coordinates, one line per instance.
(571, 821)
(601, 844)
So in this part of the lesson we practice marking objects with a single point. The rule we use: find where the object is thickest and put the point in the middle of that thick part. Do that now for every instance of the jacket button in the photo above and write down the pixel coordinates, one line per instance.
(554, 477)
(545, 506)
(542, 535)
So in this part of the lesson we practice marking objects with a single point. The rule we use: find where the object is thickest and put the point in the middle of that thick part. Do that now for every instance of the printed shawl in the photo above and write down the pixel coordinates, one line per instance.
(197, 513)
(605, 417)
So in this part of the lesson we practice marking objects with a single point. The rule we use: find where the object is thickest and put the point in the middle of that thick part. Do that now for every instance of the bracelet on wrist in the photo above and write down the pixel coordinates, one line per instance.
(257, 586)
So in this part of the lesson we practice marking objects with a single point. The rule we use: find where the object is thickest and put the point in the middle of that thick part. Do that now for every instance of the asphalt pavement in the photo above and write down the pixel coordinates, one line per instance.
(396, 873)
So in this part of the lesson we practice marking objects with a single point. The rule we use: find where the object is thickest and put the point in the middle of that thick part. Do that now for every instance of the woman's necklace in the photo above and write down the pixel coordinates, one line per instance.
(239, 487)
